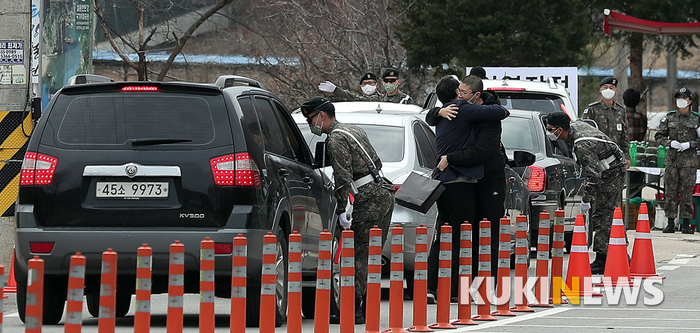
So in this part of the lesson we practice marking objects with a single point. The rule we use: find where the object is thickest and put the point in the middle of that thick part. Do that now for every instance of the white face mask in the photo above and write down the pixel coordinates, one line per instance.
(681, 103)
(369, 89)
(608, 93)
(317, 129)
(552, 137)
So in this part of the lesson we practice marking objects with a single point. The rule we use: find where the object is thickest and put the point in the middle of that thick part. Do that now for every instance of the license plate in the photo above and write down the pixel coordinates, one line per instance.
(132, 190)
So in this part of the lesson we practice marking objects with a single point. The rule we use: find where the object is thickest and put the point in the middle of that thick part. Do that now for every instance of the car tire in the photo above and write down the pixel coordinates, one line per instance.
(54, 300)
(568, 238)
(253, 293)
(308, 302)
(123, 304)
(92, 301)
(335, 278)
(21, 279)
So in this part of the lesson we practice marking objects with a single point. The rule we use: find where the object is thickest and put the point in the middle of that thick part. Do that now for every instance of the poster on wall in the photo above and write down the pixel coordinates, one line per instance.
(66, 43)
(12, 62)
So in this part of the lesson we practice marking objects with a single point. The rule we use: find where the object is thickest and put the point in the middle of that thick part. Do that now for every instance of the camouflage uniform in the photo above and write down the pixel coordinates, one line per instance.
(373, 204)
(679, 175)
(346, 95)
(603, 186)
(400, 97)
(612, 121)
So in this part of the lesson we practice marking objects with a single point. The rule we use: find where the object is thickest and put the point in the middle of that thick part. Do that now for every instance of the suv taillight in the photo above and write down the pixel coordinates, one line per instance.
(235, 170)
(37, 169)
(537, 179)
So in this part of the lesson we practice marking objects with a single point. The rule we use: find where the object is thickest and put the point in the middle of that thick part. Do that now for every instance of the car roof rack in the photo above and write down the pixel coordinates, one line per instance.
(225, 81)
(87, 78)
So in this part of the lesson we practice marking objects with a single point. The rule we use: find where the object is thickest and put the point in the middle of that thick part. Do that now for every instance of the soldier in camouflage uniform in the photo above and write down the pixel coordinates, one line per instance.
(610, 116)
(604, 165)
(356, 170)
(679, 131)
(368, 84)
(391, 81)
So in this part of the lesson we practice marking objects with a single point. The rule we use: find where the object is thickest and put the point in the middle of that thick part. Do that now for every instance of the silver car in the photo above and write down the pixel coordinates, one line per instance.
(405, 144)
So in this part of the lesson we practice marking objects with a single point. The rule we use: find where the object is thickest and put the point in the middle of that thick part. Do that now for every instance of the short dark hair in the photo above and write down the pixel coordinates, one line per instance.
(329, 109)
(446, 89)
(474, 82)
(631, 98)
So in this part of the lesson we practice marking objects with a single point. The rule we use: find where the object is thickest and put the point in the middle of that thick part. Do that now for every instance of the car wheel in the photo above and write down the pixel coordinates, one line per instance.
(253, 299)
(21, 279)
(93, 304)
(335, 279)
(54, 300)
(308, 302)
(123, 304)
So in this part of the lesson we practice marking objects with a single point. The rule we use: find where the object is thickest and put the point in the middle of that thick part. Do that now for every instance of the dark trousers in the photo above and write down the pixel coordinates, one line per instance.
(456, 205)
(490, 196)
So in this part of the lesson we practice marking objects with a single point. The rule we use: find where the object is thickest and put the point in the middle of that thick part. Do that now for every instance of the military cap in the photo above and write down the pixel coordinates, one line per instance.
(368, 76)
(309, 107)
(609, 80)
(557, 118)
(390, 72)
(683, 92)
(478, 71)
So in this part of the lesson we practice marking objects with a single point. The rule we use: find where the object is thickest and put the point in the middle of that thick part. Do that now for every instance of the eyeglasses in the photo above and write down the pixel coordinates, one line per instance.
(463, 93)
(389, 80)
(551, 129)
(311, 119)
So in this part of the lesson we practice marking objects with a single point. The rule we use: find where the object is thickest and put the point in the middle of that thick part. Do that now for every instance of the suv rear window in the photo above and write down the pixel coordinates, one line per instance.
(532, 102)
(137, 118)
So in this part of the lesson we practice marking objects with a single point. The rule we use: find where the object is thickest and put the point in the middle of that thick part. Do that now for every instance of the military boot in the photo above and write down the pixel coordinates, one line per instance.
(598, 265)
(670, 227)
(360, 310)
(685, 227)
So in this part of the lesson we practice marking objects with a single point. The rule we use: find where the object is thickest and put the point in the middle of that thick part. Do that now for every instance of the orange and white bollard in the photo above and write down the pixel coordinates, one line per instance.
(374, 281)
(108, 292)
(239, 282)
(557, 254)
(206, 286)
(542, 270)
(35, 296)
(176, 287)
(396, 282)
(420, 282)
(142, 316)
(464, 309)
(503, 289)
(324, 274)
(522, 257)
(74, 299)
(347, 282)
(268, 297)
(294, 284)
(444, 279)
(485, 288)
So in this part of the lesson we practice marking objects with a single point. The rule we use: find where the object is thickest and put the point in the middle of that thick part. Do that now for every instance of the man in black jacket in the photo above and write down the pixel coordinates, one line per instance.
(459, 201)
(487, 150)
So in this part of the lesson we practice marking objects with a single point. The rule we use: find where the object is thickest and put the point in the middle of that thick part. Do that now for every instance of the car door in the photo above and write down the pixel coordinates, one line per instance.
(319, 205)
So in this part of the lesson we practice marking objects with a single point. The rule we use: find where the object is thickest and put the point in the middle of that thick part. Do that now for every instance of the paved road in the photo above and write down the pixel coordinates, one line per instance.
(677, 257)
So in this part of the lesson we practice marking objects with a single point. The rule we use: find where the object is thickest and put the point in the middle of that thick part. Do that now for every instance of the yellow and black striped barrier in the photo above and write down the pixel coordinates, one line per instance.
(15, 129)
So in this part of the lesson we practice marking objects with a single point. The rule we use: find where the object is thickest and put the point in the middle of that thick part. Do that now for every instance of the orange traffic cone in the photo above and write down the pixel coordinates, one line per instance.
(11, 284)
(642, 264)
(579, 267)
(617, 265)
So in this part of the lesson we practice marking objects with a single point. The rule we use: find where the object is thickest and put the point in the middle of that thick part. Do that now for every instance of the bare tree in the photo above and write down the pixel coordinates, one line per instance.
(162, 26)
(300, 43)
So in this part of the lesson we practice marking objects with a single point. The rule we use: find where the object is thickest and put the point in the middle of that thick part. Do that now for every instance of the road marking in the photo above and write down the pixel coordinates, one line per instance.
(12, 314)
(679, 261)
(667, 268)
(512, 320)
(650, 328)
(627, 318)
(686, 255)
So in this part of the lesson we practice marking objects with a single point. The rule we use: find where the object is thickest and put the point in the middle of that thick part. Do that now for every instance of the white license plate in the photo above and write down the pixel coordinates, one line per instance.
(132, 190)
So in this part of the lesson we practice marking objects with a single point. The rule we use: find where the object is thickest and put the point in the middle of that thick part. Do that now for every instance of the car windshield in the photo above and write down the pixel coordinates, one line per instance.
(387, 140)
(518, 134)
(544, 103)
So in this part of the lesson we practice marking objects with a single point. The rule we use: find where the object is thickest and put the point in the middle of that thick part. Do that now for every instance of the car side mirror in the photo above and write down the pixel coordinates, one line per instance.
(523, 158)
(321, 155)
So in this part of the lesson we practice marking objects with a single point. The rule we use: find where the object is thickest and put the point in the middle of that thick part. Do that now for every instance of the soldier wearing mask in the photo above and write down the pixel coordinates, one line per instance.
(356, 170)
(391, 82)
(680, 130)
(604, 164)
(368, 85)
(610, 116)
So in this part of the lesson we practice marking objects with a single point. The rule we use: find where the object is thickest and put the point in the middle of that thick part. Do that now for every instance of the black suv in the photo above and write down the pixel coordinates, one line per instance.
(119, 164)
